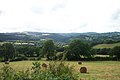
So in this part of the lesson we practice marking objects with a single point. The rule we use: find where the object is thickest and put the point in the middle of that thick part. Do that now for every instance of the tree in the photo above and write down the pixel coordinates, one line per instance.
(1, 52)
(28, 51)
(48, 49)
(8, 51)
(78, 48)
(116, 52)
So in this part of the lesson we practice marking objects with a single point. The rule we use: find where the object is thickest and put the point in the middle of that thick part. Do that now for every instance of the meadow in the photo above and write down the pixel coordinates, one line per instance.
(100, 46)
(97, 70)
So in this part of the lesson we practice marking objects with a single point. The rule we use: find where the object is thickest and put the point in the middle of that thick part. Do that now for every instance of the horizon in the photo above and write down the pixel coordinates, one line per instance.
(60, 32)
(60, 16)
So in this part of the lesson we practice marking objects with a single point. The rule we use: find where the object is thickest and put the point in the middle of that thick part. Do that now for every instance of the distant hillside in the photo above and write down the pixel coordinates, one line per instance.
(98, 38)
(91, 37)
(100, 46)
(31, 36)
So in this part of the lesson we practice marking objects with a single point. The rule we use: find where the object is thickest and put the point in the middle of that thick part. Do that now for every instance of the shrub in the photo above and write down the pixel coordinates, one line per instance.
(115, 52)
(44, 65)
(55, 71)
(20, 57)
(62, 71)
(7, 73)
(23, 75)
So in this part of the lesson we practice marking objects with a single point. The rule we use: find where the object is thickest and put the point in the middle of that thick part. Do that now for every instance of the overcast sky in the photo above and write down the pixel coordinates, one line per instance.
(62, 16)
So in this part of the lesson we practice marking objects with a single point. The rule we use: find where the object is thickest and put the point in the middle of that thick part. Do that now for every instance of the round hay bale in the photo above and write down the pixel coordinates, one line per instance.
(79, 62)
(83, 70)
(44, 65)
(82, 79)
(7, 62)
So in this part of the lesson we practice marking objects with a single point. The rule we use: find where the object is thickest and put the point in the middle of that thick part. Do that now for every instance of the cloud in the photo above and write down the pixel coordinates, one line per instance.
(53, 5)
(37, 9)
(84, 25)
(116, 15)
(59, 5)
(1, 12)
(114, 23)
(60, 15)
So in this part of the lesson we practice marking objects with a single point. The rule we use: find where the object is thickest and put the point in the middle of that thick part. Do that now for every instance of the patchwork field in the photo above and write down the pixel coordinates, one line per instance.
(97, 70)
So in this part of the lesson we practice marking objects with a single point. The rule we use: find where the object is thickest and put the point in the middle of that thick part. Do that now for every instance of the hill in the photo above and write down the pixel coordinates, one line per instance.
(91, 37)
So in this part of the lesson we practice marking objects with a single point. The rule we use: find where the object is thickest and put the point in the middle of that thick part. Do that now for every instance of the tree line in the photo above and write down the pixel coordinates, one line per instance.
(74, 50)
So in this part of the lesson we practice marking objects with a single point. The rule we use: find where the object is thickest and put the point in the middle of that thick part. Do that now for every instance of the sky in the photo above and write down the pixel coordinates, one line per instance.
(60, 16)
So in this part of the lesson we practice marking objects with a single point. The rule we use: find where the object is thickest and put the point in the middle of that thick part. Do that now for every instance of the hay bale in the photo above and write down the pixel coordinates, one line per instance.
(83, 70)
(79, 62)
(82, 79)
(44, 65)
(7, 62)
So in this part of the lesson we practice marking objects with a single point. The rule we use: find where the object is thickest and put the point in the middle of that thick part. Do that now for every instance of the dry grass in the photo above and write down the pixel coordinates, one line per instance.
(97, 70)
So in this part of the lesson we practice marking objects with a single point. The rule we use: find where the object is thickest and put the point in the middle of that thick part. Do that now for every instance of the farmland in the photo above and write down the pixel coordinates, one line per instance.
(98, 61)
(97, 70)
(100, 46)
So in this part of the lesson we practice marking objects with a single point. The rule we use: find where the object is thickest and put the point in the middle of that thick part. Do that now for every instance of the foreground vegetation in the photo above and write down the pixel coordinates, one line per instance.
(97, 70)
(38, 71)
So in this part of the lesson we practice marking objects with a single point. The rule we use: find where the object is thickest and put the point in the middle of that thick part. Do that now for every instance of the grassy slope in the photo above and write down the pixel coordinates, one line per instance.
(97, 70)
(106, 45)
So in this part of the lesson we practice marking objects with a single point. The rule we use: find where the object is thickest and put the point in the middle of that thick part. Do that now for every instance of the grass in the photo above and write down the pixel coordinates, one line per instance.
(100, 46)
(97, 70)
(101, 55)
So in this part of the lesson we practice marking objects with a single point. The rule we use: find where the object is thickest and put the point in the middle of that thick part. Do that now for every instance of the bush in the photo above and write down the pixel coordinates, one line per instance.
(104, 51)
(115, 52)
(62, 71)
(54, 71)
(20, 57)
(60, 56)
(7, 73)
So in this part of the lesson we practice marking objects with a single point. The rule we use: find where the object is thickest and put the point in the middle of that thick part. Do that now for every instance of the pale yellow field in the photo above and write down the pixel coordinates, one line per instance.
(97, 70)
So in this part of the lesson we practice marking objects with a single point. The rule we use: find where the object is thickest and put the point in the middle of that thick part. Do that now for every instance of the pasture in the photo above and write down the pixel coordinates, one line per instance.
(97, 70)
(100, 46)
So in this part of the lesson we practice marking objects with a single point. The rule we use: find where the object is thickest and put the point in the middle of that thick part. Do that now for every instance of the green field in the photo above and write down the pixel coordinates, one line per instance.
(97, 70)
(100, 46)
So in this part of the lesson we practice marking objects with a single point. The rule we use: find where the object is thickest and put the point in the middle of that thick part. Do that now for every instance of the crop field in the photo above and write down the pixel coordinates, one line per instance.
(96, 70)
(100, 46)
